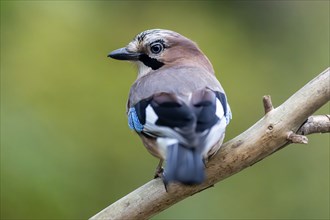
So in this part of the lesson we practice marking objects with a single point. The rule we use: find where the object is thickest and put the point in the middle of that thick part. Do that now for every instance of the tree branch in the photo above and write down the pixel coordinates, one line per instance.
(315, 124)
(279, 127)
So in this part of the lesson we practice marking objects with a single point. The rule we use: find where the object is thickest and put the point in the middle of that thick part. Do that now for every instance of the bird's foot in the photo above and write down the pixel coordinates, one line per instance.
(159, 172)
(159, 169)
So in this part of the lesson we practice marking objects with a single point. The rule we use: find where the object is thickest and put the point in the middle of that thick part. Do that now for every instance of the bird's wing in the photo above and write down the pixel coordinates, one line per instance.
(185, 105)
(165, 116)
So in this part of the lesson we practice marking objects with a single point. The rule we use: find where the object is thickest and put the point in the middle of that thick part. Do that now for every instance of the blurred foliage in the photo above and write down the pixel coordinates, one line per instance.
(66, 150)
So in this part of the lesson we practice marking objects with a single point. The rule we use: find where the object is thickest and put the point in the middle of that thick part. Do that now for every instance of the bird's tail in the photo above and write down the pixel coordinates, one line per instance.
(184, 165)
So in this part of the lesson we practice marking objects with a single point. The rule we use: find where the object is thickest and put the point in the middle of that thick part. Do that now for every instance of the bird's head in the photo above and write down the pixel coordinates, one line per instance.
(158, 48)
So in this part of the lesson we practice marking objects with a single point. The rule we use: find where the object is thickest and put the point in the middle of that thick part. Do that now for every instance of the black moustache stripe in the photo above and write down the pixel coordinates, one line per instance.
(150, 62)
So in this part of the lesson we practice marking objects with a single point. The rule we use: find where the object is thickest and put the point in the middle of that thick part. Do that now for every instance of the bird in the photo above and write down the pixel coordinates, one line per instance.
(176, 104)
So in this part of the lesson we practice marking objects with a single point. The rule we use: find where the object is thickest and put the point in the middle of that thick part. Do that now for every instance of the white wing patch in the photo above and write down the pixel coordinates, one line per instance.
(151, 115)
(219, 109)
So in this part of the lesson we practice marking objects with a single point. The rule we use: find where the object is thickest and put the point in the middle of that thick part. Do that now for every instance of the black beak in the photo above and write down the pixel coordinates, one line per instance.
(123, 54)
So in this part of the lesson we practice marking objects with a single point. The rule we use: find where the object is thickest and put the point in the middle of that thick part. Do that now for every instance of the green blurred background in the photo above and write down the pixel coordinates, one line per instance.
(66, 149)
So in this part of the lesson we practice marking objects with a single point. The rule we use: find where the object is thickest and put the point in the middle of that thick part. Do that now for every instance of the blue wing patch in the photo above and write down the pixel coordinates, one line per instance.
(133, 120)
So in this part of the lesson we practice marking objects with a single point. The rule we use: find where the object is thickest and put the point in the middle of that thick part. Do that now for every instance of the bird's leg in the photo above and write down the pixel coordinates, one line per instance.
(159, 169)
(160, 173)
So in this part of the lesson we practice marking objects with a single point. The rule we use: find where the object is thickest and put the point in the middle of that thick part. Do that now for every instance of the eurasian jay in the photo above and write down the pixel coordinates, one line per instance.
(176, 105)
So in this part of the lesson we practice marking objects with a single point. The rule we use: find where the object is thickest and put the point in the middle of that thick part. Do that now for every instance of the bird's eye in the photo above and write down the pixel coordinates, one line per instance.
(156, 48)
